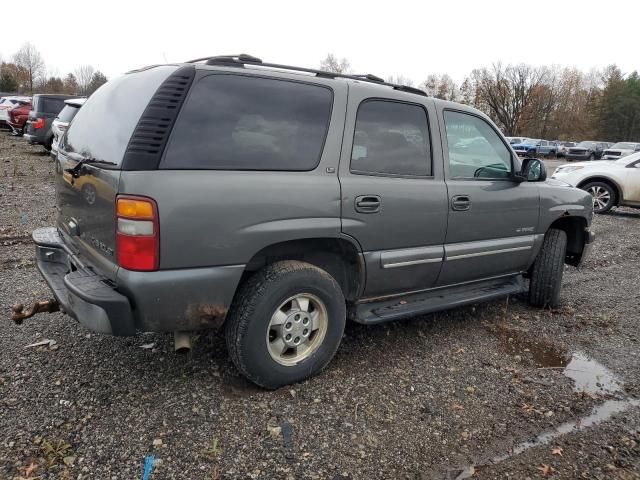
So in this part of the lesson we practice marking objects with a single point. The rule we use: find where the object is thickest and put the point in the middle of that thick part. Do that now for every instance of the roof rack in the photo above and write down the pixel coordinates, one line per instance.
(243, 59)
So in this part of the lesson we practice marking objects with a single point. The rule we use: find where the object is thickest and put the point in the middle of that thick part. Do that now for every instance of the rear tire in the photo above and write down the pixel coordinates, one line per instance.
(270, 307)
(546, 275)
(604, 196)
(592, 157)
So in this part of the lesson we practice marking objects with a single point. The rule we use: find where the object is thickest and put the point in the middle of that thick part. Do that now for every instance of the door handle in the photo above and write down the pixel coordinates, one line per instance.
(460, 203)
(368, 203)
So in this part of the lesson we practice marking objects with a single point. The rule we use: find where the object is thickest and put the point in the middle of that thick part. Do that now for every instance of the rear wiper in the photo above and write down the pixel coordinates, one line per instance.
(75, 171)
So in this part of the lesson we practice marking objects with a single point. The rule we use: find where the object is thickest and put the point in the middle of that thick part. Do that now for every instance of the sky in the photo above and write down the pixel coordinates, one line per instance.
(412, 39)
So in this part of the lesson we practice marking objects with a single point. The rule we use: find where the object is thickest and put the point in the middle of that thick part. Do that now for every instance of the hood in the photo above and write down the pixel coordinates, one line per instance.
(524, 144)
(618, 151)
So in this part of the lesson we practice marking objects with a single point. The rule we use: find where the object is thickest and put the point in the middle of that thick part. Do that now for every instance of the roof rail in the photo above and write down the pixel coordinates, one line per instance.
(243, 59)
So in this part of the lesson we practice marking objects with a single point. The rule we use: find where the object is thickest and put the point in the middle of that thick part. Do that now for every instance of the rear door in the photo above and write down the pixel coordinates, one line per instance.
(100, 134)
(394, 199)
(492, 219)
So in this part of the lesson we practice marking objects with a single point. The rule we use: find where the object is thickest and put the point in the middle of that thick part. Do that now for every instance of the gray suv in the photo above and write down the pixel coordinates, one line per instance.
(278, 202)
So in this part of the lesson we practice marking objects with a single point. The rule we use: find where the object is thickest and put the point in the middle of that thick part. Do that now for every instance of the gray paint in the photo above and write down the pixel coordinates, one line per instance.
(213, 222)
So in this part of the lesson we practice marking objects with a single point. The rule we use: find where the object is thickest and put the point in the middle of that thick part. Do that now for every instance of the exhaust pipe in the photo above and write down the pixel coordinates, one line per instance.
(181, 342)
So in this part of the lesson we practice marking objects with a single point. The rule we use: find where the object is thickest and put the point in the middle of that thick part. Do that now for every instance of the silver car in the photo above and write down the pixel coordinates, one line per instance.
(62, 121)
(619, 150)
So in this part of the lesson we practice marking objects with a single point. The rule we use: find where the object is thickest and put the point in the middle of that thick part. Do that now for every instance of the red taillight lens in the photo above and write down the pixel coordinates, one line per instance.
(38, 123)
(137, 233)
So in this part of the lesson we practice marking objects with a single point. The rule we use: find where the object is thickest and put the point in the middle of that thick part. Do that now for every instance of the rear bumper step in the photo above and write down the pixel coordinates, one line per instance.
(83, 294)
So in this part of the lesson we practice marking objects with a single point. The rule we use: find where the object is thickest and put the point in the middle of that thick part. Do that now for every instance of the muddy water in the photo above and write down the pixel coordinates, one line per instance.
(587, 374)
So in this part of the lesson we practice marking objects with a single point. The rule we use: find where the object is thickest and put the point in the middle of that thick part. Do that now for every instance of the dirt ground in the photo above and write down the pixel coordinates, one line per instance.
(481, 392)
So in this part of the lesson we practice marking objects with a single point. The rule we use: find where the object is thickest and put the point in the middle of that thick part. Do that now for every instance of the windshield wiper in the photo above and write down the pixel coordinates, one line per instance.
(75, 171)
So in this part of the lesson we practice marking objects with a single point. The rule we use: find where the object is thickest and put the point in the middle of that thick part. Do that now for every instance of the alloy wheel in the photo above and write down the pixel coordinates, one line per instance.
(297, 329)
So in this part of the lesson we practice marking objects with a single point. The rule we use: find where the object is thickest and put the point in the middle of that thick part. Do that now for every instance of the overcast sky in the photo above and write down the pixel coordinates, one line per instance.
(399, 37)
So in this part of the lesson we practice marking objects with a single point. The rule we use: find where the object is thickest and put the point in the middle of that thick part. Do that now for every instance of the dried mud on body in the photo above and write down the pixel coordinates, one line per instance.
(440, 396)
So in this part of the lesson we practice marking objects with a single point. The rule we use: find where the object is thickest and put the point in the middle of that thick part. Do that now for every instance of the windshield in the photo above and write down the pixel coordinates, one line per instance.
(624, 145)
(587, 144)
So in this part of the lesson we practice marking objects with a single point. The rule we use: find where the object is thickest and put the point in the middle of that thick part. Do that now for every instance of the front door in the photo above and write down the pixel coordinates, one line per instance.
(492, 218)
(394, 199)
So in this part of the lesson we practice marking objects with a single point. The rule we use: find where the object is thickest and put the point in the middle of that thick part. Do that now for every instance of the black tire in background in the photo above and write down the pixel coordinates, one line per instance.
(546, 275)
(592, 157)
(248, 321)
(604, 196)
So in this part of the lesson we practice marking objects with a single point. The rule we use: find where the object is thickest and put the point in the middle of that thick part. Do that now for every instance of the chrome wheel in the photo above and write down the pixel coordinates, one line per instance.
(297, 329)
(601, 197)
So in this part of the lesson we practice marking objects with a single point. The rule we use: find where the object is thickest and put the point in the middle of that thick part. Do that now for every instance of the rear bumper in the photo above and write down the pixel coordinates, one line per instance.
(83, 294)
(33, 139)
(165, 300)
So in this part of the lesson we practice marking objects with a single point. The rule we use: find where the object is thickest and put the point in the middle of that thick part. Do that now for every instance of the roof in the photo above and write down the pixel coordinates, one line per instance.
(243, 60)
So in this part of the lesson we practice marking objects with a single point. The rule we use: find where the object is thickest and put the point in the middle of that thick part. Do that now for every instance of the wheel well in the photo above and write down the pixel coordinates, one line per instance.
(338, 257)
(574, 228)
(606, 180)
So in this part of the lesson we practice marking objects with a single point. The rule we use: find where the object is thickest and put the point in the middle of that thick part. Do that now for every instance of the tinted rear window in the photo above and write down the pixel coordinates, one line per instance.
(102, 127)
(67, 113)
(236, 122)
(50, 105)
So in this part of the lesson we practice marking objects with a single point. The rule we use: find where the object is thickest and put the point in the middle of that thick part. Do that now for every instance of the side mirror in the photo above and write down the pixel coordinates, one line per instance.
(533, 170)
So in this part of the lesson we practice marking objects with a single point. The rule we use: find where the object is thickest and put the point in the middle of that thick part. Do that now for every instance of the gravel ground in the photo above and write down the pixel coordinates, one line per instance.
(442, 396)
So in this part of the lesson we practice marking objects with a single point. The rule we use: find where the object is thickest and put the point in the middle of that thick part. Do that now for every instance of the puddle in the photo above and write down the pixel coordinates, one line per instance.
(587, 374)
(600, 414)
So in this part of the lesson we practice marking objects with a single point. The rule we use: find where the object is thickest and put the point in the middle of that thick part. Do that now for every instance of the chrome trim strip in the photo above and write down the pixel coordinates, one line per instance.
(412, 262)
(488, 252)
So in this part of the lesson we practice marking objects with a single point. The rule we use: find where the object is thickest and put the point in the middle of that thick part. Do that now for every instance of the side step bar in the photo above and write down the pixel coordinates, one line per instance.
(378, 311)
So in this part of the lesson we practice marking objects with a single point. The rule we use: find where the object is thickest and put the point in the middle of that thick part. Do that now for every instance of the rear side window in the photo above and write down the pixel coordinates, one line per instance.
(50, 105)
(103, 126)
(236, 122)
(67, 113)
(391, 138)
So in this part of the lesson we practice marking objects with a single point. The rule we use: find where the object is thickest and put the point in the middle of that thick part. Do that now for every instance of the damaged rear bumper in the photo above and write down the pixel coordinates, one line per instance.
(83, 294)
(161, 301)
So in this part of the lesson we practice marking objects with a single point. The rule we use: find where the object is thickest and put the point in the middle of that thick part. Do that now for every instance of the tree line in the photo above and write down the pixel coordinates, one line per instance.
(541, 102)
(26, 73)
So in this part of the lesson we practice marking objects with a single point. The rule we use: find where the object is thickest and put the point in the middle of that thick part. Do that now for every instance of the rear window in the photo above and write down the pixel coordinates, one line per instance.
(102, 127)
(50, 105)
(67, 113)
(237, 122)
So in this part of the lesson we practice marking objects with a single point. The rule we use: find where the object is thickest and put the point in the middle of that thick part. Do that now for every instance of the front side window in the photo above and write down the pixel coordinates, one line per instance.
(391, 138)
(475, 149)
(237, 122)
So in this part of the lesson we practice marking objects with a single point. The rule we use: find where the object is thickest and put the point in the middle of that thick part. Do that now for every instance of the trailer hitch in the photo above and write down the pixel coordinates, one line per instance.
(20, 314)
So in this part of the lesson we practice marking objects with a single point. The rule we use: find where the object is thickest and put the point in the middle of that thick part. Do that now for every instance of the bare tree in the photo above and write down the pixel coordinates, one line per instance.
(505, 92)
(440, 86)
(84, 75)
(400, 80)
(332, 64)
(29, 60)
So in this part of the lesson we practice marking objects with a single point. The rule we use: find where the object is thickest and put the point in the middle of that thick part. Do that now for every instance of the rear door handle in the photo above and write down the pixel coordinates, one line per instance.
(368, 203)
(460, 202)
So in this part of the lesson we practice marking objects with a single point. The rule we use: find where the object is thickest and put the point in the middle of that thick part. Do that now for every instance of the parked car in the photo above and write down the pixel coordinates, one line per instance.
(587, 150)
(46, 108)
(7, 103)
(263, 198)
(619, 150)
(563, 148)
(610, 183)
(18, 116)
(547, 148)
(62, 121)
(528, 147)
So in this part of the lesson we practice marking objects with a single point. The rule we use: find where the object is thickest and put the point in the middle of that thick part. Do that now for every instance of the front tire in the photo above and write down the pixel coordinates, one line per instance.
(592, 157)
(546, 275)
(285, 324)
(604, 196)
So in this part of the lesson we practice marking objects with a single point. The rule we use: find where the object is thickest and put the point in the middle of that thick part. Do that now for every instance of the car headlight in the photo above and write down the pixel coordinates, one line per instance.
(568, 169)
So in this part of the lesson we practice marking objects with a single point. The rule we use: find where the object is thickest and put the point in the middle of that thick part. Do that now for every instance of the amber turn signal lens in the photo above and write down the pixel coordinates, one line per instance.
(130, 208)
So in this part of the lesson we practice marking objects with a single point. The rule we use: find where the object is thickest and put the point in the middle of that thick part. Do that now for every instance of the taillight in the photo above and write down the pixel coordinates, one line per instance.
(38, 123)
(137, 233)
